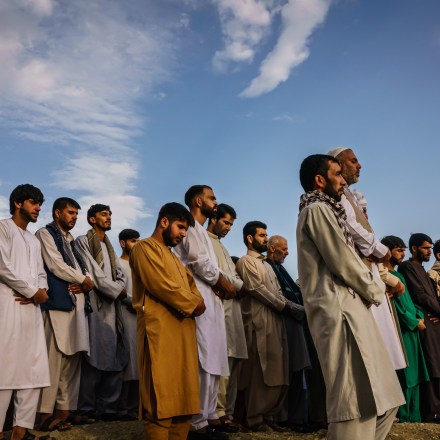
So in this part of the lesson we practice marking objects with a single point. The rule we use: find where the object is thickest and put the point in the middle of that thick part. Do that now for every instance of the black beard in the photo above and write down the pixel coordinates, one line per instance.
(394, 261)
(208, 212)
(259, 247)
(166, 236)
(27, 216)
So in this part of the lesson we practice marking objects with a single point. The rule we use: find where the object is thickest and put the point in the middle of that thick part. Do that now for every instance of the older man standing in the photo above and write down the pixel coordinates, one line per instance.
(372, 253)
(363, 391)
(24, 368)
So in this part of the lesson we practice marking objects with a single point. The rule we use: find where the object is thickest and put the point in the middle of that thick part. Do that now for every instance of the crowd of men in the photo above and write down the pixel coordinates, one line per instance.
(199, 344)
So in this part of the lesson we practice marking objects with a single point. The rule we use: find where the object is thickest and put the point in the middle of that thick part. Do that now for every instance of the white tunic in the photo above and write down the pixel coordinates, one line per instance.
(23, 353)
(368, 244)
(197, 254)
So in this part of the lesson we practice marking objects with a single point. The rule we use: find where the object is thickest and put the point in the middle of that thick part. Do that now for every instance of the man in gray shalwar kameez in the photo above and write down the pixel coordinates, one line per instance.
(102, 371)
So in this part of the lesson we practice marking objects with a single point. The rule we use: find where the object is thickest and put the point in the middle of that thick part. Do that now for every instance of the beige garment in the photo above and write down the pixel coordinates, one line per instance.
(344, 330)
(234, 322)
(65, 373)
(262, 319)
(227, 389)
(434, 273)
(70, 328)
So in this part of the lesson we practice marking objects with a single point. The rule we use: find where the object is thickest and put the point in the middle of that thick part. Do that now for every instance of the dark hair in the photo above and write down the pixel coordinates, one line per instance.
(393, 242)
(436, 248)
(312, 166)
(62, 203)
(128, 234)
(418, 239)
(250, 228)
(193, 192)
(223, 209)
(94, 209)
(24, 192)
(175, 211)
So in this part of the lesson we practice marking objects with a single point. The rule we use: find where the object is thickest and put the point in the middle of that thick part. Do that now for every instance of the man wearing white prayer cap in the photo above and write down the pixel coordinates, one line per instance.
(372, 252)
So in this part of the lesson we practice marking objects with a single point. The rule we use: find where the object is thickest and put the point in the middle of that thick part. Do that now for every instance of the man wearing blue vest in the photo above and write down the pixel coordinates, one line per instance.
(65, 321)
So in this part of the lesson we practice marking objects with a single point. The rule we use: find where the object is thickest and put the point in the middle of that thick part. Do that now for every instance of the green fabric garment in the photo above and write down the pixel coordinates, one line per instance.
(409, 315)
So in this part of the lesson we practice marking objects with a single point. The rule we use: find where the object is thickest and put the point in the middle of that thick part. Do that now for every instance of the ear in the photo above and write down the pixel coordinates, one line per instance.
(122, 243)
(56, 214)
(413, 249)
(164, 222)
(320, 181)
(18, 205)
(249, 239)
(92, 220)
(198, 202)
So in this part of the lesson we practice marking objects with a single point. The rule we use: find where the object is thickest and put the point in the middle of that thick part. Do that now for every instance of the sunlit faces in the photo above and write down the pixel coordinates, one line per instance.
(397, 256)
(423, 252)
(174, 232)
(29, 210)
(66, 218)
(103, 220)
(334, 183)
(259, 240)
(208, 203)
(351, 167)
(280, 252)
(127, 245)
(223, 226)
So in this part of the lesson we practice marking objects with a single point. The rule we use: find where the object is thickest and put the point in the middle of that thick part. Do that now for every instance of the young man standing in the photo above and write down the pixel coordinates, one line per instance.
(65, 321)
(424, 294)
(363, 391)
(102, 370)
(24, 368)
(412, 322)
(129, 400)
(167, 302)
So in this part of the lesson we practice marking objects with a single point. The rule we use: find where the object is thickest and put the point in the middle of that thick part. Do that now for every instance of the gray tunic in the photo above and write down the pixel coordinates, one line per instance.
(108, 349)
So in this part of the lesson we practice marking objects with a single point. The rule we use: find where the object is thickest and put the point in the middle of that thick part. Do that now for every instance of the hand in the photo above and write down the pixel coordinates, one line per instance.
(225, 286)
(22, 299)
(433, 319)
(122, 295)
(40, 297)
(88, 284)
(397, 290)
(200, 309)
(421, 325)
(76, 289)
(243, 291)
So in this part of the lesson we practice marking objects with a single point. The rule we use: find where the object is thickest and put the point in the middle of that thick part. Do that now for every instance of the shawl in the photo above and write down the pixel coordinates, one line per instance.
(338, 210)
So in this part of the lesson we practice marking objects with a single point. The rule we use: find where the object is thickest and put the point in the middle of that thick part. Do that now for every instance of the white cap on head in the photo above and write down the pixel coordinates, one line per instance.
(337, 151)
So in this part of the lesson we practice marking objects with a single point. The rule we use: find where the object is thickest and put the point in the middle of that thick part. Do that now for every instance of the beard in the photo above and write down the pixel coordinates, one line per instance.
(208, 212)
(260, 247)
(394, 261)
(168, 238)
(24, 214)
(330, 191)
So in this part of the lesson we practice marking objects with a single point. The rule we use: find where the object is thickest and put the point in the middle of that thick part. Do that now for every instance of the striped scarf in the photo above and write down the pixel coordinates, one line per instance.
(336, 207)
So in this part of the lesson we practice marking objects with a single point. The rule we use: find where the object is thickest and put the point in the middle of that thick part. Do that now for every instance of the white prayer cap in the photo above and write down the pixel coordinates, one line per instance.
(337, 151)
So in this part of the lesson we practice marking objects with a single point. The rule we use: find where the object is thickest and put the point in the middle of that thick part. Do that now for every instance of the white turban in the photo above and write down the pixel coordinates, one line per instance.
(337, 151)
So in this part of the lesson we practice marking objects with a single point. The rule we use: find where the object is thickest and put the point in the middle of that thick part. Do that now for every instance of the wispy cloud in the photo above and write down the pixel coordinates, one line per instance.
(299, 20)
(244, 24)
(72, 75)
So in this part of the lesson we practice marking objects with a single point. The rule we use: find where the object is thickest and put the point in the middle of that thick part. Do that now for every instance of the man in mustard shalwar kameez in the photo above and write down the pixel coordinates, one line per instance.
(166, 300)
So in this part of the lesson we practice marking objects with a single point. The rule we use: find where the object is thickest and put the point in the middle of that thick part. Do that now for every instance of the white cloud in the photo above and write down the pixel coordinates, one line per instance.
(299, 19)
(244, 24)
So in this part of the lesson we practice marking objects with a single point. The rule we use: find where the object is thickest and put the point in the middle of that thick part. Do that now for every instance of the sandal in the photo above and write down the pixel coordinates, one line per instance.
(54, 424)
(29, 436)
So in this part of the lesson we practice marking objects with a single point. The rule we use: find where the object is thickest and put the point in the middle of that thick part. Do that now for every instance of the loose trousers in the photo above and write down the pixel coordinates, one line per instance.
(175, 428)
(227, 389)
(25, 406)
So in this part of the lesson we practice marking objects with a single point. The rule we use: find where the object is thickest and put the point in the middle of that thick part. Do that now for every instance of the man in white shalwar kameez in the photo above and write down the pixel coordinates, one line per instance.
(24, 368)
(373, 253)
(197, 254)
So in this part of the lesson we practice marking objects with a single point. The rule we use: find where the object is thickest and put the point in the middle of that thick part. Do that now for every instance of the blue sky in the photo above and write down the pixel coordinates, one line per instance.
(130, 103)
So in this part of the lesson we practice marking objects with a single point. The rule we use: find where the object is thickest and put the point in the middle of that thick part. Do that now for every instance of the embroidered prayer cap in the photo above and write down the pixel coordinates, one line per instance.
(337, 151)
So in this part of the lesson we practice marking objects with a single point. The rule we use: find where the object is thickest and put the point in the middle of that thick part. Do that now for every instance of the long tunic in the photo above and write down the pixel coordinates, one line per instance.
(71, 329)
(353, 357)
(367, 244)
(23, 358)
(129, 318)
(261, 310)
(409, 315)
(196, 252)
(165, 296)
(234, 322)
(108, 350)
(423, 293)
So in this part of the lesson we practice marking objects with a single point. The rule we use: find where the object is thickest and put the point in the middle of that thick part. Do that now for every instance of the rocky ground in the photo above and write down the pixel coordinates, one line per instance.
(133, 431)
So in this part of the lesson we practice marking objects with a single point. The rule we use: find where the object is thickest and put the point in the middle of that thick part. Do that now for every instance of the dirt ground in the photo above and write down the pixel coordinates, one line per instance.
(133, 431)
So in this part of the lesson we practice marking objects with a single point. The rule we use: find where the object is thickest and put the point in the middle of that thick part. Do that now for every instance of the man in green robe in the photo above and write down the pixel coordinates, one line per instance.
(411, 318)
